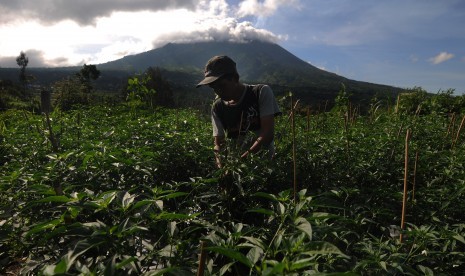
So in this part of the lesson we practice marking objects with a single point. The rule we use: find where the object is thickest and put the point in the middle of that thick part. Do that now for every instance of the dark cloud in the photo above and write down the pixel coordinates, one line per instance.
(8, 62)
(84, 12)
(36, 59)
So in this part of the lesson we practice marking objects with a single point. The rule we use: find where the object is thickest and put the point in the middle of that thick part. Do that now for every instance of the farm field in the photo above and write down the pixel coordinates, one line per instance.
(120, 190)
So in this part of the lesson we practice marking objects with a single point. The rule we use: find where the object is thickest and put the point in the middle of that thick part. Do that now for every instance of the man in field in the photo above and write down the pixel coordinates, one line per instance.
(242, 112)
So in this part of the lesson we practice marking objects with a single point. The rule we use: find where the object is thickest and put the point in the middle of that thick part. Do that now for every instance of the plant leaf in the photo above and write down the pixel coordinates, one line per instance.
(459, 238)
(303, 225)
(254, 254)
(266, 195)
(60, 199)
(261, 211)
(230, 253)
(323, 248)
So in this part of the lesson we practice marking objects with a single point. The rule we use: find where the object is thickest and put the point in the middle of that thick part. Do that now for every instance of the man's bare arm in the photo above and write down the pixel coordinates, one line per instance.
(266, 135)
(217, 148)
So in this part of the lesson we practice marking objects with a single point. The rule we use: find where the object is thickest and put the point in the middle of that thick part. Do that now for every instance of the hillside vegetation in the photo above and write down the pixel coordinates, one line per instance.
(131, 189)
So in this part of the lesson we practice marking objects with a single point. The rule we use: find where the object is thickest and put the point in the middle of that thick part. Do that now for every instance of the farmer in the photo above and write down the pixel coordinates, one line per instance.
(242, 112)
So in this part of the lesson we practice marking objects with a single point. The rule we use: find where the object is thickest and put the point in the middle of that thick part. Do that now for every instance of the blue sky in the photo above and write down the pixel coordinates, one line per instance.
(404, 43)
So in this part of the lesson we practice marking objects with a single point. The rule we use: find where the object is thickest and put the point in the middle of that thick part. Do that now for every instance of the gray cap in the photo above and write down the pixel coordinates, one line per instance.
(217, 67)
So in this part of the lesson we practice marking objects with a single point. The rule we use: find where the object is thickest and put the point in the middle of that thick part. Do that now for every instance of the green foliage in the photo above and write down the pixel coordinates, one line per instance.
(139, 95)
(418, 101)
(70, 93)
(140, 192)
(76, 90)
(149, 89)
(22, 60)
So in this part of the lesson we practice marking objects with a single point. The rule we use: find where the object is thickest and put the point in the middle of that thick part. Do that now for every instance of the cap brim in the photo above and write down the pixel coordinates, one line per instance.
(207, 80)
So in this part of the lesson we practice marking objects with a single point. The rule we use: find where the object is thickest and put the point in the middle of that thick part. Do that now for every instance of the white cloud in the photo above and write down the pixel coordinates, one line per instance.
(115, 34)
(441, 57)
(223, 31)
(413, 58)
(263, 8)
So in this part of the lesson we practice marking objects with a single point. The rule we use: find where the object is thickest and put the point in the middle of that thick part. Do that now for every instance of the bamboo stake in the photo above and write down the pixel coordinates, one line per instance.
(397, 136)
(346, 131)
(414, 176)
(404, 201)
(79, 126)
(458, 131)
(308, 119)
(449, 127)
(308, 126)
(452, 128)
(293, 146)
(354, 115)
(51, 136)
(202, 257)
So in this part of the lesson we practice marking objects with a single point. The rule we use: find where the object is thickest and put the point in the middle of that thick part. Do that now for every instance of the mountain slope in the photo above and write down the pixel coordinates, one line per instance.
(256, 62)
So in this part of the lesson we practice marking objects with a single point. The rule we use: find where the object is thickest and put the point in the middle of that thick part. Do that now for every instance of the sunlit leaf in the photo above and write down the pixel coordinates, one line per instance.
(459, 238)
(224, 269)
(127, 200)
(302, 263)
(303, 225)
(254, 254)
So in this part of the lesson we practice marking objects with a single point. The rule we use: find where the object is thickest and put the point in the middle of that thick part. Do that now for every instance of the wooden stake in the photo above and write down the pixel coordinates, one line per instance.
(202, 257)
(451, 127)
(398, 134)
(308, 119)
(293, 145)
(414, 176)
(308, 126)
(51, 135)
(450, 124)
(458, 131)
(404, 201)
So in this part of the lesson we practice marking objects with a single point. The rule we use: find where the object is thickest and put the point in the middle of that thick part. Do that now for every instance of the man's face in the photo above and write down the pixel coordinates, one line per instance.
(220, 88)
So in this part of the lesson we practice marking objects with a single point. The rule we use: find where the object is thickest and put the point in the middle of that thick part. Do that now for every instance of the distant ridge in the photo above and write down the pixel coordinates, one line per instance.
(257, 62)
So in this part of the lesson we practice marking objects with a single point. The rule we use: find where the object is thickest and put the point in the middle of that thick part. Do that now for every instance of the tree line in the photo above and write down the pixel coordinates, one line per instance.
(78, 89)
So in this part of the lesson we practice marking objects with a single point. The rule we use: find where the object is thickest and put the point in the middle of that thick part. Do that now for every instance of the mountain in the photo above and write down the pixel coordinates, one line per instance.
(257, 62)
